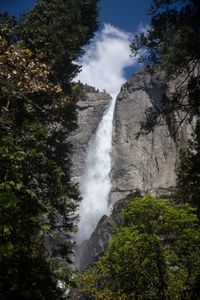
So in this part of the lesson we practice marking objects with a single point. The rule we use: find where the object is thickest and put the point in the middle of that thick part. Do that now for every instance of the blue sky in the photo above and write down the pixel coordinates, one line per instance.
(125, 14)
(16, 6)
(107, 63)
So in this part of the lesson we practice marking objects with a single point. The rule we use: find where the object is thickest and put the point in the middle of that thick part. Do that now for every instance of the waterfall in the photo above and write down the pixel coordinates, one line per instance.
(95, 184)
(102, 67)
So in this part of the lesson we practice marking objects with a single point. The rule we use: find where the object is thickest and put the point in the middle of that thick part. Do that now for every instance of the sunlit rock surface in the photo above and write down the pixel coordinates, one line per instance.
(146, 163)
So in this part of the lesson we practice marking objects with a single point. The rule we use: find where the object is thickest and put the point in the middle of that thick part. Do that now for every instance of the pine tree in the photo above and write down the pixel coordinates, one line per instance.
(38, 201)
(172, 45)
(58, 29)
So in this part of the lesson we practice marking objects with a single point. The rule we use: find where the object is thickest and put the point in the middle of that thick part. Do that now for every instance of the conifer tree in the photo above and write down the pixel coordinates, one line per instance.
(172, 45)
(38, 201)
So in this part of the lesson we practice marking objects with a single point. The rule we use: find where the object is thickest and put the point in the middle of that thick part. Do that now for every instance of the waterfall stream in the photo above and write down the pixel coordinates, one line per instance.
(95, 183)
(103, 67)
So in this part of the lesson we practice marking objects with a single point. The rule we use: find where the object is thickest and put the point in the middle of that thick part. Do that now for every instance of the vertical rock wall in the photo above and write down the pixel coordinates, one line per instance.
(147, 163)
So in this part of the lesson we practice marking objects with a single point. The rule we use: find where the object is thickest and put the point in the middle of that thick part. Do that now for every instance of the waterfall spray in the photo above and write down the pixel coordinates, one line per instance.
(95, 183)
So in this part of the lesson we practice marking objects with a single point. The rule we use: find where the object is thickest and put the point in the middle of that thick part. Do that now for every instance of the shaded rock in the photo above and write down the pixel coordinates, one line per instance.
(90, 112)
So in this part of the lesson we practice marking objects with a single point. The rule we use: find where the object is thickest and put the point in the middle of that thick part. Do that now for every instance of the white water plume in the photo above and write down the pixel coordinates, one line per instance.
(96, 184)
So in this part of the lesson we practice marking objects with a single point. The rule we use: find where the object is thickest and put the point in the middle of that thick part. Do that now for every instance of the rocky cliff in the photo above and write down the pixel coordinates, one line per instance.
(90, 111)
(139, 166)
(146, 163)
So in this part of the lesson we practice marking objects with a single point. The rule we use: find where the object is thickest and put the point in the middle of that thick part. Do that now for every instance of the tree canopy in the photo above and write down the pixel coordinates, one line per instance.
(57, 30)
(38, 201)
(153, 255)
(172, 45)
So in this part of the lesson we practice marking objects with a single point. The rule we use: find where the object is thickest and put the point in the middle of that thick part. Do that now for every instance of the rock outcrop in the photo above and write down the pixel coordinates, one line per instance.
(146, 163)
(90, 111)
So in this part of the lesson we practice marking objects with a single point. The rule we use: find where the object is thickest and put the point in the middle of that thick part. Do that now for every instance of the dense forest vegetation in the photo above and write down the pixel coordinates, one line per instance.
(154, 253)
(38, 201)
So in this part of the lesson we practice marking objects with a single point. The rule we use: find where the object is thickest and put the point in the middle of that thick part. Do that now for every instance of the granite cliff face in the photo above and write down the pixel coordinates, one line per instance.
(147, 163)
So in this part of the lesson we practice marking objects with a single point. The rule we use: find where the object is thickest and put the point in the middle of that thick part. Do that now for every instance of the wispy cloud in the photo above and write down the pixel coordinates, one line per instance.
(105, 59)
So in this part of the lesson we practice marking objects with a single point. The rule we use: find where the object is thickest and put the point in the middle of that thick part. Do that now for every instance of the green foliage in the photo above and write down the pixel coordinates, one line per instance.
(173, 38)
(38, 201)
(7, 25)
(188, 177)
(58, 29)
(172, 45)
(153, 255)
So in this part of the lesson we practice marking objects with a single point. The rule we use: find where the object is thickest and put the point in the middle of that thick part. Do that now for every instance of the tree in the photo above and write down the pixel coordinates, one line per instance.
(188, 178)
(153, 255)
(7, 25)
(59, 30)
(172, 45)
(38, 201)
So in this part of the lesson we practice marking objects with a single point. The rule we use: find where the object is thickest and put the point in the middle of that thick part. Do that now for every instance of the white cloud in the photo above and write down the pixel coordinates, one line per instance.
(105, 59)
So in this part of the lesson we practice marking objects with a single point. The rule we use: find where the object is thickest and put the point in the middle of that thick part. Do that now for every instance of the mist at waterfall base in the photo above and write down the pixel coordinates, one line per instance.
(102, 68)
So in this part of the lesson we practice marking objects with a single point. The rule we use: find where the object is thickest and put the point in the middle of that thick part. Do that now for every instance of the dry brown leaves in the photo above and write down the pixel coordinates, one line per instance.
(19, 68)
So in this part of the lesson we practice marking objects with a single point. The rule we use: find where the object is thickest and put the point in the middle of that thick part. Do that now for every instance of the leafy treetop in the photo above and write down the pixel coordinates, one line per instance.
(153, 255)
